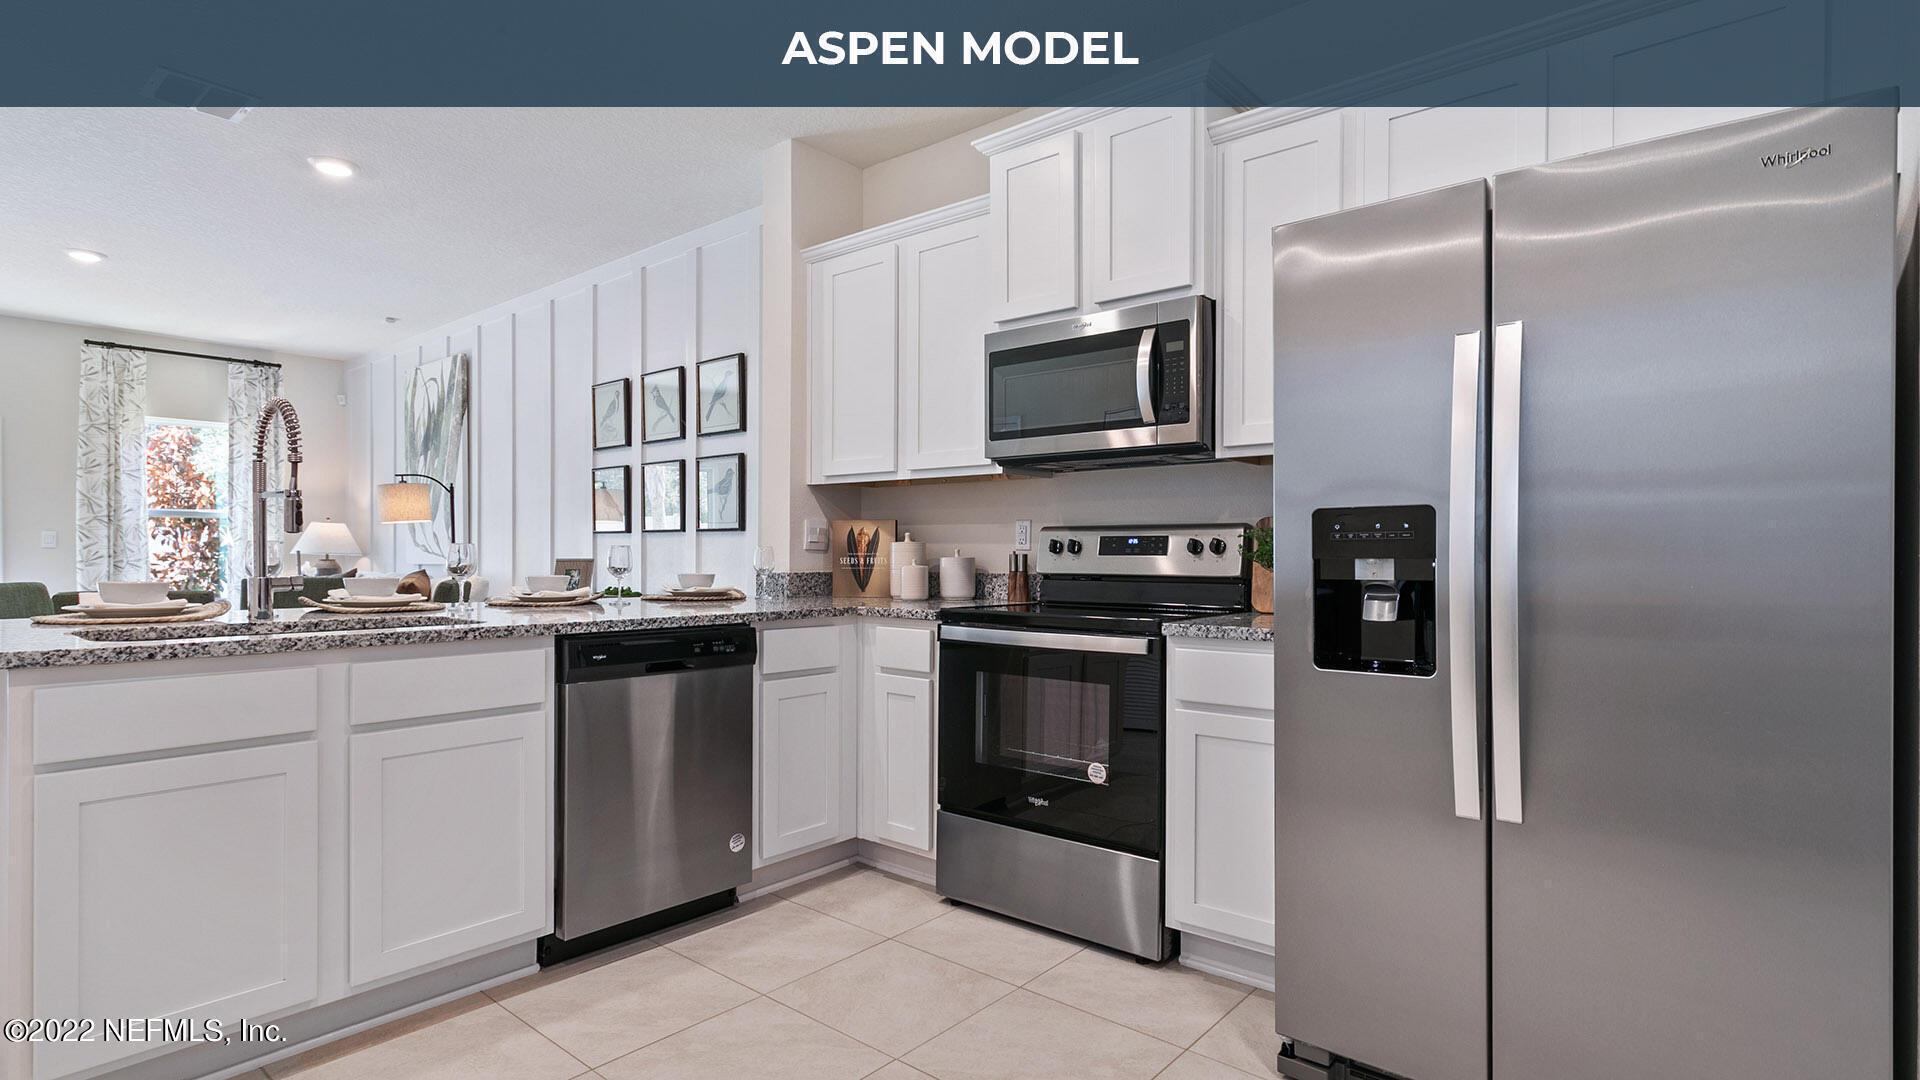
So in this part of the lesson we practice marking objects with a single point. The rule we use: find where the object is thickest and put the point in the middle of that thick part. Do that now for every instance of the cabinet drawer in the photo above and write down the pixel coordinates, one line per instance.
(1241, 679)
(903, 648)
(89, 720)
(384, 690)
(806, 648)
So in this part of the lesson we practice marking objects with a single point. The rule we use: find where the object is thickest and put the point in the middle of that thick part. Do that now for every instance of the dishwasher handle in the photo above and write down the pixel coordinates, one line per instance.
(598, 657)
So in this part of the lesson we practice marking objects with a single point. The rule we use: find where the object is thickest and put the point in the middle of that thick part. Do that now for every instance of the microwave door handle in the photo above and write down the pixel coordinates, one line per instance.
(1143, 376)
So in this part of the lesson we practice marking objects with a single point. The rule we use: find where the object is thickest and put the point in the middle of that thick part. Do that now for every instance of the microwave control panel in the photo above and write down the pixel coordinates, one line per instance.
(1176, 389)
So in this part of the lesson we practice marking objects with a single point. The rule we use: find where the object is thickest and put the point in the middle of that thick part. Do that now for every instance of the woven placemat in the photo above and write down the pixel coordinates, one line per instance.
(731, 596)
(193, 613)
(516, 602)
(342, 609)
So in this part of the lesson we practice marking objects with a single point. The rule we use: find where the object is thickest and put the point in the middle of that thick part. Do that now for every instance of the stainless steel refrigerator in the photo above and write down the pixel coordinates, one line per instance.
(1590, 587)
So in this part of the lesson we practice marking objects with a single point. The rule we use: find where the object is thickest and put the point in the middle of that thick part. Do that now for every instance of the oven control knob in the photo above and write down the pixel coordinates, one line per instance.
(1054, 546)
(1195, 547)
(1073, 547)
(1217, 546)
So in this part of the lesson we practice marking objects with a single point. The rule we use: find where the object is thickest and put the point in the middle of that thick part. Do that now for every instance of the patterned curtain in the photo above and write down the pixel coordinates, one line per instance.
(110, 509)
(249, 388)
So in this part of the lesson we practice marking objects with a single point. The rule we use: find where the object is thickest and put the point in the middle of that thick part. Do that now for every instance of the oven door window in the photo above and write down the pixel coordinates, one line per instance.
(1066, 742)
(1058, 388)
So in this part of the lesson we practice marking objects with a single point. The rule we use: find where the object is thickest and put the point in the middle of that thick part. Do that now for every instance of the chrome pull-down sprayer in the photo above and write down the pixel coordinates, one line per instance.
(261, 587)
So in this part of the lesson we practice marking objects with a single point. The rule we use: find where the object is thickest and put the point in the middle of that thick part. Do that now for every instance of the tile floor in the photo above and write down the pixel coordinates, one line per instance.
(854, 974)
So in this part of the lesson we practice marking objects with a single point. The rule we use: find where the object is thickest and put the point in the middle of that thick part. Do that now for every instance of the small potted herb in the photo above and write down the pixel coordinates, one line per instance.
(1258, 544)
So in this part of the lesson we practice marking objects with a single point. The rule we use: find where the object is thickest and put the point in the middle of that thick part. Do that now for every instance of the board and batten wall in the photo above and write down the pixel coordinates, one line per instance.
(535, 360)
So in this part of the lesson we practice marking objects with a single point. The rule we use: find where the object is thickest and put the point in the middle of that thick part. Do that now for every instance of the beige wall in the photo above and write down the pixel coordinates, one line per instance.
(40, 373)
(937, 175)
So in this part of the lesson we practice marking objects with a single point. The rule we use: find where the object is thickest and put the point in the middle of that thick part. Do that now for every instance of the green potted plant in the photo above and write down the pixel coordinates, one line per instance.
(1258, 543)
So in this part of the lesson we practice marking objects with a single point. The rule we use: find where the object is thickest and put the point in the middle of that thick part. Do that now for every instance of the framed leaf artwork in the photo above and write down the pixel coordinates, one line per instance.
(612, 414)
(721, 484)
(663, 405)
(722, 394)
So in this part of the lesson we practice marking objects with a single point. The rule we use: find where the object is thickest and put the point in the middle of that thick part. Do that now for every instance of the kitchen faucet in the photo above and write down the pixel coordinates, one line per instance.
(261, 586)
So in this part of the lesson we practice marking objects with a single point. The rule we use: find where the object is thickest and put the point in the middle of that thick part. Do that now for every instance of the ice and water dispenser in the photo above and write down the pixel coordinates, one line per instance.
(1373, 599)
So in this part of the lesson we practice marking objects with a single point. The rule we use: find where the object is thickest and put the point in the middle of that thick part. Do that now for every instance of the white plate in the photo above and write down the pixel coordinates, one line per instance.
(551, 599)
(129, 611)
(703, 590)
(375, 601)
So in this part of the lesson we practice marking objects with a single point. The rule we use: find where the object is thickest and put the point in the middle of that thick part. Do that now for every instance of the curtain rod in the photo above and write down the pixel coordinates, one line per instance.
(177, 352)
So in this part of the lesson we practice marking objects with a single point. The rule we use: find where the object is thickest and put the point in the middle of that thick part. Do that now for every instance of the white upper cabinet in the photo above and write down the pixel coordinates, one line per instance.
(1034, 191)
(1269, 174)
(1480, 125)
(943, 324)
(1141, 170)
(853, 322)
(897, 365)
(185, 887)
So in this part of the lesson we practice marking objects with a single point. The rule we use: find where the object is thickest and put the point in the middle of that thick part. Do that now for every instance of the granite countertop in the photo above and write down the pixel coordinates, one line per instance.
(25, 644)
(1245, 626)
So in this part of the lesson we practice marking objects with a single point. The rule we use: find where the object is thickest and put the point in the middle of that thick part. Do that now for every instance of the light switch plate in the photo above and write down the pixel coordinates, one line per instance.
(813, 533)
(1023, 535)
(49, 539)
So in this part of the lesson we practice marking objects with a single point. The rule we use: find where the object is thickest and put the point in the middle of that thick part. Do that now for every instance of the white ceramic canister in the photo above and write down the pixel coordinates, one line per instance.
(913, 581)
(901, 554)
(956, 576)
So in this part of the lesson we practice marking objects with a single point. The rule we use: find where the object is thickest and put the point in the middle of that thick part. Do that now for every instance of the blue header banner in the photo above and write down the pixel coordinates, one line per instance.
(985, 52)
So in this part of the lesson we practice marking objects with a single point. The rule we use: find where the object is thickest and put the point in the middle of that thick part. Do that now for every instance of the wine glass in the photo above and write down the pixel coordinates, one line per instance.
(460, 566)
(275, 558)
(762, 566)
(620, 564)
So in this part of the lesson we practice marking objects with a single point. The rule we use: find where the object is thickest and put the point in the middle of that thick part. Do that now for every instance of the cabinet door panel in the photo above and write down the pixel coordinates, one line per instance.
(1220, 825)
(1477, 127)
(853, 361)
(1270, 178)
(943, 366)
(1141, 165)
(178, 888)
(803, 764)
(1034, 191)
(448, 841)
(897, 783)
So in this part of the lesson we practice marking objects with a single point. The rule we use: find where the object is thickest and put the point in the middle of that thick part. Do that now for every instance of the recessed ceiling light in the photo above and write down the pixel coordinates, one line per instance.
(82, 255)
(338, 168)
(393, 318)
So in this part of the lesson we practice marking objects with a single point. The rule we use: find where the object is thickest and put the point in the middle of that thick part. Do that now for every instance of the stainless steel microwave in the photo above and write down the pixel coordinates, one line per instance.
(1132, 386)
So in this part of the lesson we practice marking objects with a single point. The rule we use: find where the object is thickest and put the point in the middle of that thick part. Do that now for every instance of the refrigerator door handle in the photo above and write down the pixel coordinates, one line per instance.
(1463, 669)
(1503, 569)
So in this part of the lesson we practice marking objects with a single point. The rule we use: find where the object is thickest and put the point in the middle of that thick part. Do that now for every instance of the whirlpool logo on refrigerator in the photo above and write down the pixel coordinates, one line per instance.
(1788, 161)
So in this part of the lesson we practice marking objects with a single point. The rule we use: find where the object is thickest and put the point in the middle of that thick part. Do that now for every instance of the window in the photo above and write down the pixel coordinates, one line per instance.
(187, 503)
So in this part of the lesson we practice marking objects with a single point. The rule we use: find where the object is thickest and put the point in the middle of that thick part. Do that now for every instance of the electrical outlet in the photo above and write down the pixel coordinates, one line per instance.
(1023, 535)
(49, 539)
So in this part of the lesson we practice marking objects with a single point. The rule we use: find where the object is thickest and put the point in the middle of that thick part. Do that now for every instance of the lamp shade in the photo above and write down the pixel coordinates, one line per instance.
(326, 538)
(401, 503)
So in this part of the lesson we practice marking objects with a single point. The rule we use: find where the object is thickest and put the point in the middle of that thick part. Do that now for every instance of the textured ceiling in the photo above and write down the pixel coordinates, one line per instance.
(220, 231)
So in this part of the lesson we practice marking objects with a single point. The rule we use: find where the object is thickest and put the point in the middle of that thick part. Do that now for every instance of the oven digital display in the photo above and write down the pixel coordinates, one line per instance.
(1133, 545)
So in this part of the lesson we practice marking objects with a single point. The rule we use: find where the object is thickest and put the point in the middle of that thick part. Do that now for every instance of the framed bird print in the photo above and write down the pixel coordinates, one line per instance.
(662, 505)
(720, 482)
(722, 394)
(860, 557)
(663, 405)
(612, 414)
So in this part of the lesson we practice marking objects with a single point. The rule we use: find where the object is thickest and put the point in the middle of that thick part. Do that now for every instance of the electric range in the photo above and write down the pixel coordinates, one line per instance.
(1052, 729)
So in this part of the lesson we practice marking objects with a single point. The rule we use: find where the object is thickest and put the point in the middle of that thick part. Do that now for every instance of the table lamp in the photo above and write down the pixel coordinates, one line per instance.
(326, 539)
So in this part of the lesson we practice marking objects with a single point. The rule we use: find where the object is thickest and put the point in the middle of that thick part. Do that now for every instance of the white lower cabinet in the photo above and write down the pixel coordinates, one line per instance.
(806, 744)
(448, 841)
(183, 887)
(897, 738)
(1220, 795)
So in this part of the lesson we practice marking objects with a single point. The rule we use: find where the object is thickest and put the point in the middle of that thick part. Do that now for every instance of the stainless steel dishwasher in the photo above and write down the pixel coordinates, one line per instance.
(655, 781)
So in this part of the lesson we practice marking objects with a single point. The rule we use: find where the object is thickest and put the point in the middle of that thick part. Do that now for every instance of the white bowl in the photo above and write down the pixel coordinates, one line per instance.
(546, 582)
(133, 592)
(371, 586)
(695, 581)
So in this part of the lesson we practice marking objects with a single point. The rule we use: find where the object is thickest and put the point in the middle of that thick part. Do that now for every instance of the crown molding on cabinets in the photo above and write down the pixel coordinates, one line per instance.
(1040, 127)
(1199, 79)
(897, 230)
(1241, 125)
